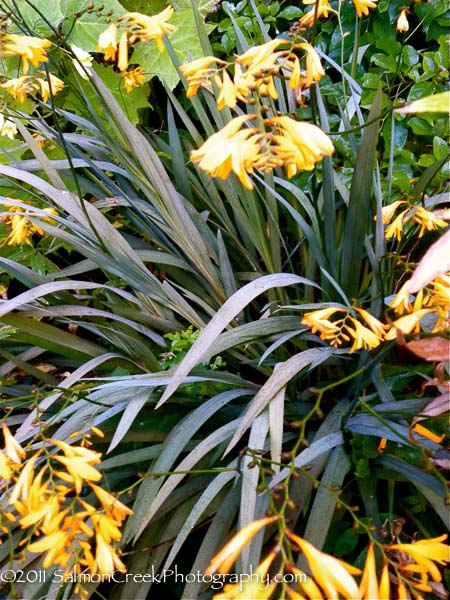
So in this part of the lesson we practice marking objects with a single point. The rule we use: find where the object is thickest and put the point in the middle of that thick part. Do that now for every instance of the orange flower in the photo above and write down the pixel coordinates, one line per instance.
(223, 561)
(426, 553)
(256, 589)
(113, 506)
(423, 431)
(332, 575)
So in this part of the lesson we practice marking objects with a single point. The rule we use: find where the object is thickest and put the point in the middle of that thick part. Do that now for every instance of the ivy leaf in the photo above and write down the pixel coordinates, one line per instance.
(185, 42)
(41, 15)
(88, 26)
(130, 103)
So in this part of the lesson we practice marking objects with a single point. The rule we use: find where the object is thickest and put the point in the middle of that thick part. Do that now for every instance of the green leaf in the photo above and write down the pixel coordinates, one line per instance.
(42, 16)
(437, 103)
(88, 26)
(358, 221)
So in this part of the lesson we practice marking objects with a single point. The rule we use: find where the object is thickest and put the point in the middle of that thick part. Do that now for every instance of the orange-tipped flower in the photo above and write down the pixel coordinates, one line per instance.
(426, 553)
(12, 447)
(330, 574)
(224, 560)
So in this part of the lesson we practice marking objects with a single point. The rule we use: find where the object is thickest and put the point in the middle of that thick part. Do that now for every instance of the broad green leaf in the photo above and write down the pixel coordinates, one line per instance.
(437, 103)
(88, 26)
(42, 16)
(131, 103)
(358, 221)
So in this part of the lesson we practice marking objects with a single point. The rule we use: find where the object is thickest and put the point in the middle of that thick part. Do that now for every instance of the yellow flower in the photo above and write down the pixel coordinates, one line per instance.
(122, 61)
(7, 128)
(424, 552)
(5, 467)
(132, 79)
(151, 28)
(261, 57)
(90, 456)
(402, 300)
(318, 320)
(387, 212)
(307, 584)
(79, 470)
(227, 96)
(395, 229)
(224, 560)
(106, 527)
(107, 42)
(54, 543)
(198, 72)
(21, 227)
(322, 11)
(111, 504)
(330, 574)
(363, 337)
(369, 583)
(30, 49)
(256, 589)
(230, 150)
(12, 447)
(314, 69)
(20, 87)
(407, 324)
(293, 64)
(53, 84)
(82, 61)
(375, 325)
(402, 21)
(106, 558)
(300, 144)
(24, 481)
(363, 6)
(427, 220)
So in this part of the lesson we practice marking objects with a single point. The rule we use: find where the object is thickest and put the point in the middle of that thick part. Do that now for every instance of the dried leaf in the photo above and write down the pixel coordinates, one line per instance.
(436, 407)
(431, 349)
(435, 262)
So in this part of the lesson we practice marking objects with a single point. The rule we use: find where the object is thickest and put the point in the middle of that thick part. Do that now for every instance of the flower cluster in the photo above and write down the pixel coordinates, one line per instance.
(294, 144)
(30, 49)
(44, 498)
(254, 72)
(346, 328)
(434, 298)
(130, 28)
(411, 215)
(21, 87)
(21, 227)
(330, 577)
(321, 8)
